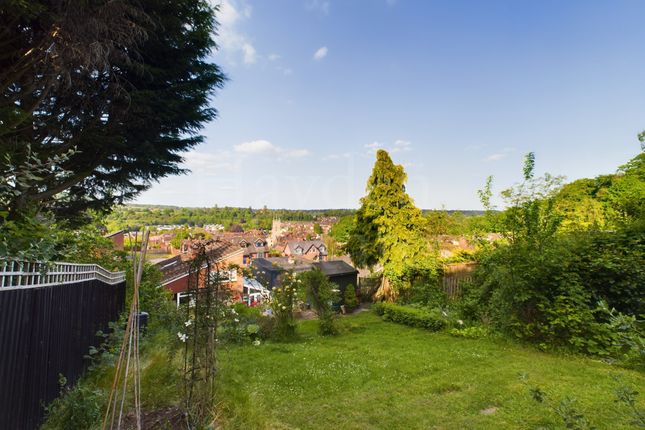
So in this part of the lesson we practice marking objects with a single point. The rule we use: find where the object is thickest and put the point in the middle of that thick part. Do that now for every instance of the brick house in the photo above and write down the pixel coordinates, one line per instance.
(313, 250)
(255, 245)
(223, 255)
(117, 238)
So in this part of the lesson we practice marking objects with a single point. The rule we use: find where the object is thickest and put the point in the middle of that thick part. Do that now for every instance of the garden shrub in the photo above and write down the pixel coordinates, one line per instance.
(266, 326)
(350, 299)
(469, 305)
(413, 317)
(545, 285)
(80, 407)
(283, 303)
(474, 332)
(320, 293)
(378, 308)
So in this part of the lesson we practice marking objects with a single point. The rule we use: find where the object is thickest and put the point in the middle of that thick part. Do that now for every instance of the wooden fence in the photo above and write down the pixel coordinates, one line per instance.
(49, 316)
(454, 275)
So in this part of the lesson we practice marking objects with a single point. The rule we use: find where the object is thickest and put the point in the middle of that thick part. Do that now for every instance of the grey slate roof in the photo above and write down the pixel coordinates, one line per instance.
(335, 267)
(306, 244)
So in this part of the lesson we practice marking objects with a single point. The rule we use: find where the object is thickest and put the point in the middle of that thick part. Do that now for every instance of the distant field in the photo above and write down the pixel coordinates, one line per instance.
(380, 375)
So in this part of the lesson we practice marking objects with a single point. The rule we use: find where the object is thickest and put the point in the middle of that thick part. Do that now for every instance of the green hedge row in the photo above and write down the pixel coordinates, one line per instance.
(413, 317)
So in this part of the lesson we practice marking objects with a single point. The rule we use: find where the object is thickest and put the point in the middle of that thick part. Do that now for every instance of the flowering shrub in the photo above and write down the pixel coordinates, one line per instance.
(283, 302)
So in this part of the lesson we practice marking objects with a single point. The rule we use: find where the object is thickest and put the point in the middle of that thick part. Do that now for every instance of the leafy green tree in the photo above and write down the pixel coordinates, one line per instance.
(531, 216)
(390, 230)
(341, 230)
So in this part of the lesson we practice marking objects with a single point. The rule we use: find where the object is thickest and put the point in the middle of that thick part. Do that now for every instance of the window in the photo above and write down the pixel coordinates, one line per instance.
(232, 275)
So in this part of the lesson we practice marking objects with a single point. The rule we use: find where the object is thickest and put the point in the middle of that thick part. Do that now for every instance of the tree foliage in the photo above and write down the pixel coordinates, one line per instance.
(607, 202)
(389, 229)
(567, 285)
(124, 84)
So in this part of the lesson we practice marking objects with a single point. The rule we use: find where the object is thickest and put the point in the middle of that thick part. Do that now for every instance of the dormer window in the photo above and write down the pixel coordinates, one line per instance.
(298, 250)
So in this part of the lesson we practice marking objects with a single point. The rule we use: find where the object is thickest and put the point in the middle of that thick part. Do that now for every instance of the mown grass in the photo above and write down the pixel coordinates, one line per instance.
(379, 375)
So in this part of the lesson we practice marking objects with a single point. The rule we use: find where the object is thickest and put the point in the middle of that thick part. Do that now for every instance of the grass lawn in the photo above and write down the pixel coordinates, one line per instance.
(380, 375)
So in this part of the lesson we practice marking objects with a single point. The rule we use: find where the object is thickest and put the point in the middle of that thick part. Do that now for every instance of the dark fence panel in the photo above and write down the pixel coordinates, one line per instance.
(44, 333)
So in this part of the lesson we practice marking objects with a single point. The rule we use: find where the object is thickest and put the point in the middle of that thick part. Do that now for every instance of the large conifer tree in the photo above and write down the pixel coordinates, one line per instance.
(112, 92)
(390, 230)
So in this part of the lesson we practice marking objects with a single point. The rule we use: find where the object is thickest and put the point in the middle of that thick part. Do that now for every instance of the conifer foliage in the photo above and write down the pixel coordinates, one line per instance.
(113, 90)
(390, 230)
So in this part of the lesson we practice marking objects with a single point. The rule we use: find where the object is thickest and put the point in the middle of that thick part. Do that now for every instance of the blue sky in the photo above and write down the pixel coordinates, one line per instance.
(455, 90)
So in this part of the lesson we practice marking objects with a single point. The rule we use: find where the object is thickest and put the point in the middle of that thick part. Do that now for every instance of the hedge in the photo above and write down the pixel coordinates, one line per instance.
(413, 317)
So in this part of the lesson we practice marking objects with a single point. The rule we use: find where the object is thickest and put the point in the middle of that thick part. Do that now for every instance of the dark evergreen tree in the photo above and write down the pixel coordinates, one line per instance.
(112, 91)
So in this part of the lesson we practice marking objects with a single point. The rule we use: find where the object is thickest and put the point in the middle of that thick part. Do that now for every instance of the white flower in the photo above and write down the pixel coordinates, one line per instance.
(444, 313)
(182, 336)
(256, 342)
(284, 307)
(460, 322)
(188, 323)
(236, 320)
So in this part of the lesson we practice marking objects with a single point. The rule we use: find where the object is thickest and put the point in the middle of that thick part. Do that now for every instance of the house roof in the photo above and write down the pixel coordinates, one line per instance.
(335, 267)
(174, 268)
(306, 245)
(250, 241)
(278, 264)
(115, 233)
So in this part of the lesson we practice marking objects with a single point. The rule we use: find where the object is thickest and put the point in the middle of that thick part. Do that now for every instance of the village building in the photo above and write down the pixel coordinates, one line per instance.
(282, 232)
(269, 271)
(340, 273)
(118, 239)
(313, 250)
(223, 256)
(254, 244)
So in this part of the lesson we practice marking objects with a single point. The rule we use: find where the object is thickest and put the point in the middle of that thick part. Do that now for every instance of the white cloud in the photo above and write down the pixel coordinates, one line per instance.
(274, 57)
(285, 70)
(232, 42)
(250, 56)
(210, 164)
(321, 6)
(496, 157)
(320, 53)
(264, 147)
(256, 147)
(500, 155)
(399, 145)
(296, 153)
